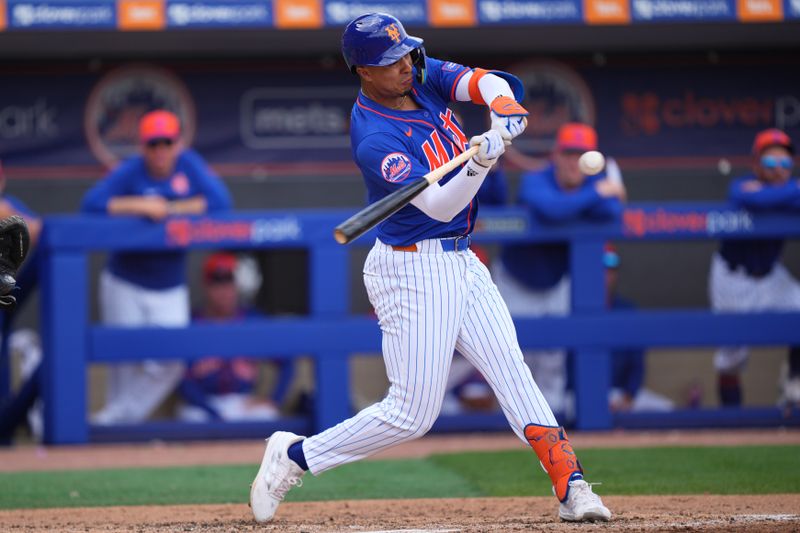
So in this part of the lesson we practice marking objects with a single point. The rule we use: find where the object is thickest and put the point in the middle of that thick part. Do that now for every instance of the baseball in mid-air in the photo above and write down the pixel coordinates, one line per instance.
(591, 163)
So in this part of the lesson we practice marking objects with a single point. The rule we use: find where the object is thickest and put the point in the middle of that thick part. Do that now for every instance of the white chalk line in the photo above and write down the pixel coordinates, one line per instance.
(734, 519)
(748, 518)
(410, 531)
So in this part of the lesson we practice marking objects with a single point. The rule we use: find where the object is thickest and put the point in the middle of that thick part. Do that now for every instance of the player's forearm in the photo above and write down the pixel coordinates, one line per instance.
(127, 205)
(490, 87)
(767, 196)
(607, 209)
(559, 207)
(443, 202)
(191, 206)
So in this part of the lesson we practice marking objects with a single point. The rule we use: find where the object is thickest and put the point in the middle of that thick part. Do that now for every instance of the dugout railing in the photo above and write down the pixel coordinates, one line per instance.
(330, 334)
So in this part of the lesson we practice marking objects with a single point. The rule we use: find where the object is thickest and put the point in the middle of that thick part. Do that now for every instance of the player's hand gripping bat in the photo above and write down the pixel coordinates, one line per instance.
(373, 214)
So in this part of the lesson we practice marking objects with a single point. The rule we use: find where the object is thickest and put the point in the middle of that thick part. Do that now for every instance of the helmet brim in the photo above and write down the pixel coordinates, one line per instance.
(397, 52)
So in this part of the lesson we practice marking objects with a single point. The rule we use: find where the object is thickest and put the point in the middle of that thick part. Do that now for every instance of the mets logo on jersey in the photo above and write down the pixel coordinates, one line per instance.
(180, 184)
(395, 167)
(450, 66)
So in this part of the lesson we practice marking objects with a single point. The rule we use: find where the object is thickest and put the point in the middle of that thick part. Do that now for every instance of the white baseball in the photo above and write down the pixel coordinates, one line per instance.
(591, 163)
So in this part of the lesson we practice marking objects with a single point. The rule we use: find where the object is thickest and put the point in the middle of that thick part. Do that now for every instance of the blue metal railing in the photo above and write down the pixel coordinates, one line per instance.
(330, 334)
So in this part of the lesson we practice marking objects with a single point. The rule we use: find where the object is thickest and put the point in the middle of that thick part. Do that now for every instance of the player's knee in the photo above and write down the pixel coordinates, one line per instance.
(411, 429)
(423, 426)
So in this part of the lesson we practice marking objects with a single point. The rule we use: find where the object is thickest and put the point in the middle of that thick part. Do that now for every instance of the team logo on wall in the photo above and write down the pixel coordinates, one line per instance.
(395, 167)
(554, 94)
(121, 97)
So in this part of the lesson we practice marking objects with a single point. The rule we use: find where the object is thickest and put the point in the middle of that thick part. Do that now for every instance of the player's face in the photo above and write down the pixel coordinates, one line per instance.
(567, 172)
(222, 298)
(160, 156)
(392, 80)
(774, 165)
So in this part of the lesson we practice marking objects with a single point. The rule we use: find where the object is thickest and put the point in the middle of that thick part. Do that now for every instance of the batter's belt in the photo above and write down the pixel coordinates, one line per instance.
(449, 244)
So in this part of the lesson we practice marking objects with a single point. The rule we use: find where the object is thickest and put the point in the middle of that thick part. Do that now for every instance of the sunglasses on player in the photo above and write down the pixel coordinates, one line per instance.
(153, 143)
(771, 161)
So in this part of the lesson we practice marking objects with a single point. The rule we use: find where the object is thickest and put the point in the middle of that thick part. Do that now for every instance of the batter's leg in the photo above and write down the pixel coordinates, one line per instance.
(488, 339)
(419, 300)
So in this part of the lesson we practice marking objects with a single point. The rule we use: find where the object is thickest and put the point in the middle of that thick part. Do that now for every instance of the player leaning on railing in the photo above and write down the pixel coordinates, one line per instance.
(430, 291)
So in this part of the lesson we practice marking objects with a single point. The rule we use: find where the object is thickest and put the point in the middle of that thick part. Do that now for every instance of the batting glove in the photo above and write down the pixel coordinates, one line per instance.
(508, 117)
(491, 147)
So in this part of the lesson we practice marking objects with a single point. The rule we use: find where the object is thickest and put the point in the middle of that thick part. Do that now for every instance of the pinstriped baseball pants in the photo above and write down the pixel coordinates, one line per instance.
(428, 304)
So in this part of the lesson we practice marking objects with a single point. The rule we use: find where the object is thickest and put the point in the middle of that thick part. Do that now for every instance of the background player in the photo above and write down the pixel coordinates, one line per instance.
(215, 388)
(138, 289)
(430, 292)
(746, 275)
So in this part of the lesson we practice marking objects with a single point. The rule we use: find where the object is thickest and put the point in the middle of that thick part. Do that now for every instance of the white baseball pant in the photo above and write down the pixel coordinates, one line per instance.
(548, 365)
(134, 391)
(737, 292)
(428, 304)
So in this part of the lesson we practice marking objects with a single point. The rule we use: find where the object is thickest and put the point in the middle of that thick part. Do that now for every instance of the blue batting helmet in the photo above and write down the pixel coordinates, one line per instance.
(378, 39)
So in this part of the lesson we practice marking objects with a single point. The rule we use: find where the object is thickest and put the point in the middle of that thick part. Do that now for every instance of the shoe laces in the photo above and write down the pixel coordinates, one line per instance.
(283, 470)
(582, 492)
(284, 486)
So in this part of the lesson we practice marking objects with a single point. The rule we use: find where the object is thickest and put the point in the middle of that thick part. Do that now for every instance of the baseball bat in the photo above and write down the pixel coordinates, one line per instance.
(372, 215)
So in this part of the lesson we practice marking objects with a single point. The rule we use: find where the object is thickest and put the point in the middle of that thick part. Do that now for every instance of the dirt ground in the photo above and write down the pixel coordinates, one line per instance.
(474, 515)
(639, 513)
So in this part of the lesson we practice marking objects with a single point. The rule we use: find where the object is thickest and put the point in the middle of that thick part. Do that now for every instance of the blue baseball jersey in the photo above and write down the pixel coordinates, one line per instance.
(541, 266)
(393, 148)
(758, 256)
(192, 177)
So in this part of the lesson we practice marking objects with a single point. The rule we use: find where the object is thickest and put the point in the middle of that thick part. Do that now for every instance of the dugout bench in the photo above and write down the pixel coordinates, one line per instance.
(330, 334)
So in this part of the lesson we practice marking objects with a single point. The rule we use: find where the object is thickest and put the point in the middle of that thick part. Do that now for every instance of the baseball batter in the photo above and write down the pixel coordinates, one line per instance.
(747, 275)
(430, 292)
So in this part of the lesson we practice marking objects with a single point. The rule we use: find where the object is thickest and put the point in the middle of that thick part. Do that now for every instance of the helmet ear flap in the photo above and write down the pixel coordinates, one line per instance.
(418, 60)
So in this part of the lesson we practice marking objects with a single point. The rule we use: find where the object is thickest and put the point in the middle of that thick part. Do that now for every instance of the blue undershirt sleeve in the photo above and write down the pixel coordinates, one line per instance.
(210, 185)
(114, 184)
(768, 196)
(606, 209)
(558, 206)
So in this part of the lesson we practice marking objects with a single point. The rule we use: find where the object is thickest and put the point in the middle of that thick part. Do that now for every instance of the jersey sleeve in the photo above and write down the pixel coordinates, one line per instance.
(209, 185)
(552, 204)
(117, 183)
(387, 163)
(767, 197)
(443, 76)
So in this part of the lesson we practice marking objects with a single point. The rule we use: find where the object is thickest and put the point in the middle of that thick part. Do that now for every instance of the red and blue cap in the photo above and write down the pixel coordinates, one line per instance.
(159, 124)
(576, 136)
(771, 137)
(219, 267)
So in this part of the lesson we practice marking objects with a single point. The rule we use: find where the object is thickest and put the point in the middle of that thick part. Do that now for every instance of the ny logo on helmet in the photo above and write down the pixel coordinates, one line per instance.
(393, 32)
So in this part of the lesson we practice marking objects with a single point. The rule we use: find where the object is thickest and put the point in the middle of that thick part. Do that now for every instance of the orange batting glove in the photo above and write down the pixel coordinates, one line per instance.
(508, 117)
